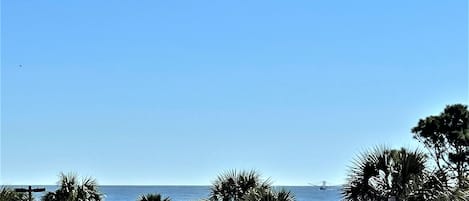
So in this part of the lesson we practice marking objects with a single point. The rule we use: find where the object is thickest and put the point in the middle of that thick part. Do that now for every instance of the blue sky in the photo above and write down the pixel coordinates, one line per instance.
(175, 92)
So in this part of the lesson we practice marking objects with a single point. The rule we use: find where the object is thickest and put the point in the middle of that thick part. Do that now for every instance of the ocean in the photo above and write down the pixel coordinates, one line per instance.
(194, 193)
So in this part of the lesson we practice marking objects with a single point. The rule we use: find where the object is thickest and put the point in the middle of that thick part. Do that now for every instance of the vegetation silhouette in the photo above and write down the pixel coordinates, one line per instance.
(236, 185)
(262, 194)
(72, 190)
(8, 194)
(446, 136)
(383, 174)
(153, 197)
(380, 174)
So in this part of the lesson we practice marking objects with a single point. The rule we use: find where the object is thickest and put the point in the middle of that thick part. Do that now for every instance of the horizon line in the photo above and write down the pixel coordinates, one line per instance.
(183, 185)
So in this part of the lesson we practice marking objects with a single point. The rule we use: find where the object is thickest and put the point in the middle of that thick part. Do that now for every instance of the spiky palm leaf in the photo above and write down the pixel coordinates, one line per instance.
(88, 189)
(233, 185)
(72, 190)
(153, 197)
(363, 173)
(49, 196)
(382, 173)
(8, 194)
(261, 194)
(284, 195)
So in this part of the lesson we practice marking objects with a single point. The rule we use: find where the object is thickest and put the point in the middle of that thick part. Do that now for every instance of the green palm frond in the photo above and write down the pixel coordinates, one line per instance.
(72, 190)
(153, 197)
(284, 195)
(261, 194)
(382, 173)
(8, 194)
(50, 196)
(233, 184)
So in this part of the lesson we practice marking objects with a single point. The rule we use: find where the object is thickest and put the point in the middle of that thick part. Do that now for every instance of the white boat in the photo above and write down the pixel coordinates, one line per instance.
(323, 187)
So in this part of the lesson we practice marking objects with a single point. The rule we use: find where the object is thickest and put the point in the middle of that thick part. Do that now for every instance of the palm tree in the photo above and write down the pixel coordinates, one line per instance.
(72, 190)
(233, 185)
(153, 197)
(383, 173)
(284, 195)
(8, 194)
(261, 194)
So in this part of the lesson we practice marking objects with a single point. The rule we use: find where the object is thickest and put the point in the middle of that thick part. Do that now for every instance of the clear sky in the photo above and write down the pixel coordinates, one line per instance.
(175, 92)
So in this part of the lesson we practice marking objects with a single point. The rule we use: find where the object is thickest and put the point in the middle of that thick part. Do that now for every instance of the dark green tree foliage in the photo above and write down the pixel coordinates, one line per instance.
(262, 194)
(246, 186)
(446, 136)
(72, 190)
(153, 197)
(8, 194)
(233, 185)
(383, 173)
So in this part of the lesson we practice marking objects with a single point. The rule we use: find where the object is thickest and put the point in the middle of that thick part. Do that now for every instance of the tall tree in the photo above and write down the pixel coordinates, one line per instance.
(246, 186)
(72, 190)
(446, 136)
(233, 185)
(384, 173)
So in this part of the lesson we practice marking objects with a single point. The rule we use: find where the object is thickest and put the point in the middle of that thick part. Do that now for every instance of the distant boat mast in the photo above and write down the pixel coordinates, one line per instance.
(323, 187)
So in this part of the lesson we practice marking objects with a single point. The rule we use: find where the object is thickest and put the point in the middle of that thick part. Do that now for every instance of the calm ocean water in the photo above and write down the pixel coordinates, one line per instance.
(191, 193)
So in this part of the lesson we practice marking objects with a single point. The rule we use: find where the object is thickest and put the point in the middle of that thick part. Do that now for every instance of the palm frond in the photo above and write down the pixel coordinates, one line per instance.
(382, 172)
(233, 184)
(153, 197)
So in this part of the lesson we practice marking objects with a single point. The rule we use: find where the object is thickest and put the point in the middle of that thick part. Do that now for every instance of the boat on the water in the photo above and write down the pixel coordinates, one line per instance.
(323, 187)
